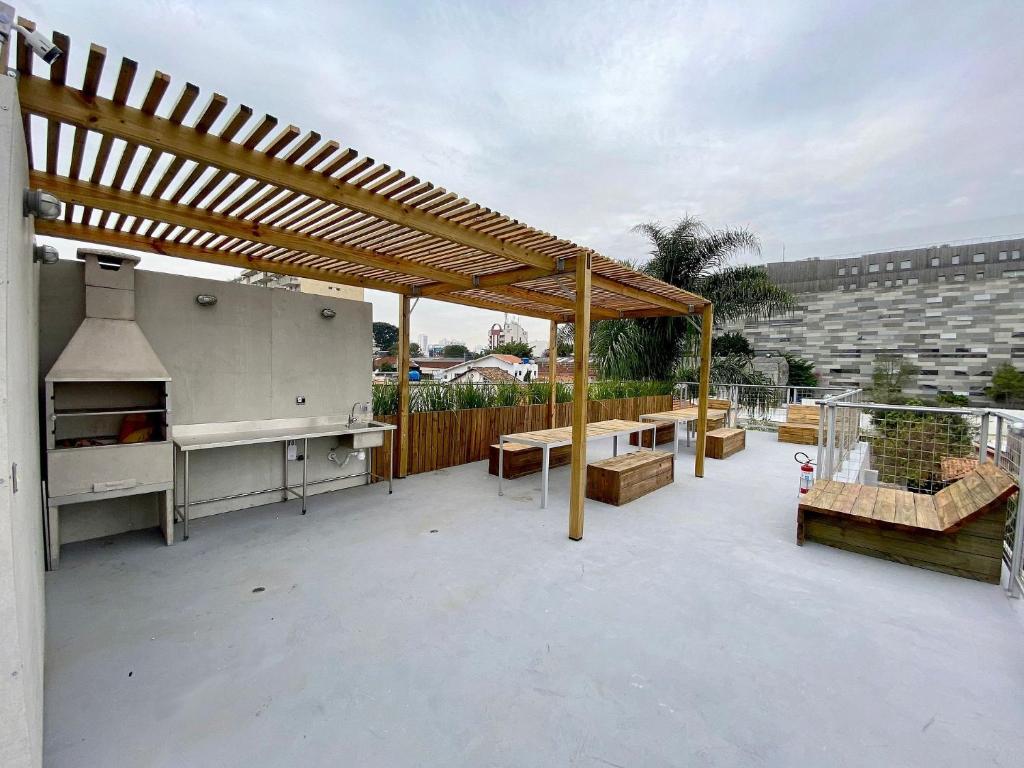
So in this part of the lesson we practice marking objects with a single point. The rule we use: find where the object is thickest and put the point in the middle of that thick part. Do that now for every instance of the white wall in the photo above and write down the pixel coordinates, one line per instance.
(247, 357)
(21, 532)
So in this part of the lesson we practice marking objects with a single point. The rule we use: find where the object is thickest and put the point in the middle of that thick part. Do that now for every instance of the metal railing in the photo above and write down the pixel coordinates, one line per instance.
(759, 404)
(839, 435)
(923, 449)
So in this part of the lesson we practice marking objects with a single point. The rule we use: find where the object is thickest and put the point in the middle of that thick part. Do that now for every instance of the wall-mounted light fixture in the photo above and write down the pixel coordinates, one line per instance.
(206, 299)
(40, 204)
(327, 313)
(45, 254)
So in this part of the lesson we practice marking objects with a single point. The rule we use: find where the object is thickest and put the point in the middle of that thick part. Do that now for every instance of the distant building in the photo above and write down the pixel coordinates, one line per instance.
(954, 311)
(565, 370)
(484, 376)
(511, 364)
(508, 332)
(424, 345)
(300, 284)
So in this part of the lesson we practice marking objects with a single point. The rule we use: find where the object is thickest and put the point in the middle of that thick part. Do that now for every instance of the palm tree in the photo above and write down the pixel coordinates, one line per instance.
(691, 256)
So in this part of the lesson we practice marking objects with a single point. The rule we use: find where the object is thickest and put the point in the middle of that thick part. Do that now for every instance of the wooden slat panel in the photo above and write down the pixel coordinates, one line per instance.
(865, 504)
(906, 513)
(885, 505)
(927, 517)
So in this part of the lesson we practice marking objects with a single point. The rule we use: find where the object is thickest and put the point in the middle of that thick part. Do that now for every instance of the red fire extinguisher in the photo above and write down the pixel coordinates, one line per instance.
(806, 471)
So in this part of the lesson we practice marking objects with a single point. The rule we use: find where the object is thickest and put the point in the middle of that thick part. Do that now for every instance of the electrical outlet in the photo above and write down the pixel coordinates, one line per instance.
(300, 399)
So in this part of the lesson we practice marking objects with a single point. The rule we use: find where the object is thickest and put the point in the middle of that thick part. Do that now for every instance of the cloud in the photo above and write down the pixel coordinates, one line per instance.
(811, 124)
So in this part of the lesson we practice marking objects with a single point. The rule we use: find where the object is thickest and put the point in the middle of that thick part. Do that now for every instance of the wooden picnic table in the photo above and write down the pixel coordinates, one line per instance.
(685, 416)
(546, 439)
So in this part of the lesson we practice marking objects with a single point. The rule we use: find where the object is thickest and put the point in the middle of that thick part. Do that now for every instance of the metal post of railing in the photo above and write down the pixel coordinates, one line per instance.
(822, 426)
(831, 441)
(983, 439)
(1017, 556)
(999, 439)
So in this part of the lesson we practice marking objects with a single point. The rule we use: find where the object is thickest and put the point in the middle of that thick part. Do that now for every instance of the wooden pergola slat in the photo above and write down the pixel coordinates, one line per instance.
(292, 204)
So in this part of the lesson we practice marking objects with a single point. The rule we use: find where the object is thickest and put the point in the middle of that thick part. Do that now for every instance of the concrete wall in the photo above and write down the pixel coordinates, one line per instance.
(247, 357)
(955, 311)
(957, 334)
(21, 529)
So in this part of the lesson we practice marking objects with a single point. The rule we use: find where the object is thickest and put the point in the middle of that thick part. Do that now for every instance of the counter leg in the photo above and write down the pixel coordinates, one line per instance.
(615, 445)
(284, 470)
(167, 516)
(391, 458)
(184, 513)
(546, 463)
(305, 462)
(501, 462)
(53, 519)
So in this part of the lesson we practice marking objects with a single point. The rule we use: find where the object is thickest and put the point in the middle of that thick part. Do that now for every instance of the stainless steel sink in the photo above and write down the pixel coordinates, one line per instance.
(363, 434)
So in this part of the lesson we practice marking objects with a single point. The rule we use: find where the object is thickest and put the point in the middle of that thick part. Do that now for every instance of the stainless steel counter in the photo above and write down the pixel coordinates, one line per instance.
(197, 437)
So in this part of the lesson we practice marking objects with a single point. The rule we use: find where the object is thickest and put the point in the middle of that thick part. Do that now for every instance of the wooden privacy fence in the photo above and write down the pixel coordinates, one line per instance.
(441, 439)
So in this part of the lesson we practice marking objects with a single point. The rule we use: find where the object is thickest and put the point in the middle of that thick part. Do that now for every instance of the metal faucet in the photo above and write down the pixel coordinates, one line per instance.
(352, 413)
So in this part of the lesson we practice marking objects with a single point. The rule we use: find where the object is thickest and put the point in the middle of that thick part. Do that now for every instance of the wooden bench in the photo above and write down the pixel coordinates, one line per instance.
(521, 460)
(959, 530)
(621, 479)
(801, 425)
(721, 404)
(665, 433)
(724, 442)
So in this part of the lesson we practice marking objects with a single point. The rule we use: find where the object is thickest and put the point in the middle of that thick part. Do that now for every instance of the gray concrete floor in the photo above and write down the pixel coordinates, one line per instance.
(444, 626)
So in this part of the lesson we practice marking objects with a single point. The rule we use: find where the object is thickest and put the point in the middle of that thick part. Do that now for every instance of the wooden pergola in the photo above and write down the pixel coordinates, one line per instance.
(223, 185)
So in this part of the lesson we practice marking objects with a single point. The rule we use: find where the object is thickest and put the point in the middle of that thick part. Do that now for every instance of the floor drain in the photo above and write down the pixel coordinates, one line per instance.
(259, 589)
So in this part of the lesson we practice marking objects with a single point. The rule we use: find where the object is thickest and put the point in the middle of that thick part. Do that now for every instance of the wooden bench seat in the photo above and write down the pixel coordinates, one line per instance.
(665, 432)
(724, 442)
(621, 479)
(801, 426)
(522, 460)
(959, 530)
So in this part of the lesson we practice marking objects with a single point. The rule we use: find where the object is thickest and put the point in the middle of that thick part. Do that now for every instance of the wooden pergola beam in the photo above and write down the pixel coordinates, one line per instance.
(130, 241)
(607, 284)
(134, 242)
(580, 385)
(509, 277)
(57, 102)
(404, 338)
(704, 384)
(552, 372)
(84, 193)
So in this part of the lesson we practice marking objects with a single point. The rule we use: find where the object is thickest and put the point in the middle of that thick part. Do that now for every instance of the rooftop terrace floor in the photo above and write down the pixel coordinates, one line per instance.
(444, 626)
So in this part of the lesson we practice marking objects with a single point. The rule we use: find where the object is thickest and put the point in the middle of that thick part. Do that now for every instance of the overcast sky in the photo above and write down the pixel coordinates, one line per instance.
(831, 127)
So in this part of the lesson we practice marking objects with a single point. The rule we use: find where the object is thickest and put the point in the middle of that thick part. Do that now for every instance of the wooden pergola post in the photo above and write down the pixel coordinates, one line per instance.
(581, 381)
(404, 317)
(702, 395)
(552, 372)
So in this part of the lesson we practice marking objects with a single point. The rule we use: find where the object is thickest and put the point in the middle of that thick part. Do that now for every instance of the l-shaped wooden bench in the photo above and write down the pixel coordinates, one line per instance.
(959, 530)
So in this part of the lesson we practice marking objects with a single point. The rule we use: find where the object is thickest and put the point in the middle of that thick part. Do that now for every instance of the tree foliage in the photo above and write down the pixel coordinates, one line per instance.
(889, 378)
(801, 372)
(691, 256)
(455, 350)
(385, 335)
(1007, 385)
(517, 348)
(732, 343)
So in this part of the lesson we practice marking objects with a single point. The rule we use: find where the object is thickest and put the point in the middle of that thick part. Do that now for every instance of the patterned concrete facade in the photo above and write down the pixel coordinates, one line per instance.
(957, 312)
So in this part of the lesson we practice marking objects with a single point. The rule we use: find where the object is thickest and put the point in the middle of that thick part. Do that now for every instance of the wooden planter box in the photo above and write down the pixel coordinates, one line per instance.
(800, 434)
(975, 551)
(523, 460)
(665, 433)
(724, 442)
(621, 479)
